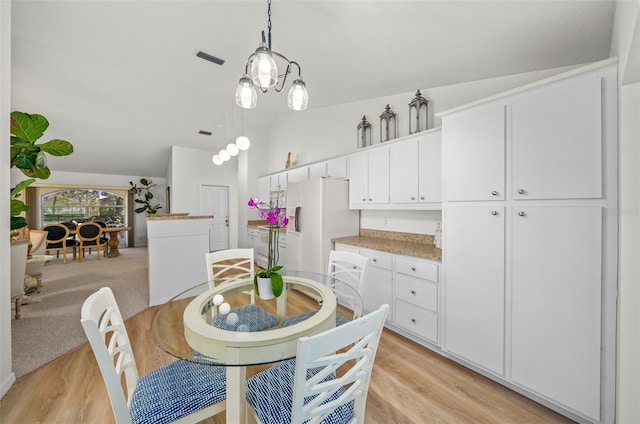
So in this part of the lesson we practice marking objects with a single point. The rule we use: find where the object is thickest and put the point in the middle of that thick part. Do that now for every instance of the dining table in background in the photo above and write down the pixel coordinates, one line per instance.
(113, 242)
(190, 326)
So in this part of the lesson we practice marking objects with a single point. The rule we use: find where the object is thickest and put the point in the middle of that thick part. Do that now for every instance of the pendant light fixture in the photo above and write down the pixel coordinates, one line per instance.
(261, 70)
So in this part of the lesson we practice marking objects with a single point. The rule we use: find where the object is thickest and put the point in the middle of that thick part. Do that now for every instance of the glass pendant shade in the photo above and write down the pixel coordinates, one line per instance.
(232, 149)
(298, 99)
(246, 96)
(264, 71)
(243, 142)
(224, 155)
(217, 160)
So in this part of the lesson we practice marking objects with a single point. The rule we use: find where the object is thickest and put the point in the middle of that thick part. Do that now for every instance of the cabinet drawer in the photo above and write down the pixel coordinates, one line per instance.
(417, 268)
(417, 291)
(377, 258)
(420, 321)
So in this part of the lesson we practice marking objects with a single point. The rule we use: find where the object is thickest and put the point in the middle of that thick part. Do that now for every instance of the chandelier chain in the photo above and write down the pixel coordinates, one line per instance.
(269, 21)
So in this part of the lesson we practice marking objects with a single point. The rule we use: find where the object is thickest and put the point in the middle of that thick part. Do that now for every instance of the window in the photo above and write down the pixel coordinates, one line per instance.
(82, 205)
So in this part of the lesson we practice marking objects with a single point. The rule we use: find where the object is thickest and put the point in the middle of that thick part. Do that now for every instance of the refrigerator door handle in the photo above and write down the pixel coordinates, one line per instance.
(297, 219)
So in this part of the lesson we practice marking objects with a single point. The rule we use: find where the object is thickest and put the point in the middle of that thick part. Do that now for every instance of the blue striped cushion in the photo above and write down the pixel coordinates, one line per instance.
(299, 318)
(270, 393)
(253, 317)
(176, 390)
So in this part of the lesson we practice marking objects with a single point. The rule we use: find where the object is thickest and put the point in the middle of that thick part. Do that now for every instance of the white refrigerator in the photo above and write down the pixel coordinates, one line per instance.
(318, 211)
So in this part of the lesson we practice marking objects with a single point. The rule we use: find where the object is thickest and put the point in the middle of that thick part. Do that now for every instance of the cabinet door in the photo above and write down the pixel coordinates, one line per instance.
(264, 188)
(318, 170)
(474, 284)
(298, 174)
(474, 146)
(358, 179)
(378, 176)
(378, 290)
(337, 168)
(557, 142)
(430, 168)
(403, 172)
(557, 254)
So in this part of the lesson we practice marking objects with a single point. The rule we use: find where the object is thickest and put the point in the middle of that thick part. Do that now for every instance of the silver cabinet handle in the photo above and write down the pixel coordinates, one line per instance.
(413, 320)
(494, 193)
(374, 260)
(413, 268)
(521, 191)
(413, 292)
(421, 197)
(370, 199)
(364, 199)
(494, 212)
(522, 214)
(413, 197)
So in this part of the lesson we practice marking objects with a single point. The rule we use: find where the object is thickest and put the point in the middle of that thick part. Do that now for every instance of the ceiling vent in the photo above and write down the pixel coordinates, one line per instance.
(210, 58)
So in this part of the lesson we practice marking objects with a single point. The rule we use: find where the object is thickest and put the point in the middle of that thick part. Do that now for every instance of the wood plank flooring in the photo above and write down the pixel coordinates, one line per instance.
(410, 384)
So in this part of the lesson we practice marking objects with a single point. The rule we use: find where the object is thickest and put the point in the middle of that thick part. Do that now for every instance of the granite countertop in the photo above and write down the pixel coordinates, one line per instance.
(399, 243)
(176, 216)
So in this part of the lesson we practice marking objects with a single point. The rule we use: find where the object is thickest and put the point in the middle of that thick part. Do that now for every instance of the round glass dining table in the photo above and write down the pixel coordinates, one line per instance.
(228, 325)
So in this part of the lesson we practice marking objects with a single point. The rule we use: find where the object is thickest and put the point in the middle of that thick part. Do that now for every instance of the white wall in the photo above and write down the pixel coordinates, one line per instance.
(627, 26)
(191, 168)
(7, 377)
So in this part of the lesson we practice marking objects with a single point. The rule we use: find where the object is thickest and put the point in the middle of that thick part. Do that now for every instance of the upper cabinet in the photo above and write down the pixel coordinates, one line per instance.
(337, 168)
(415, 171)
(557, 141)
(475, 154)
(369, 178)
(298, 174)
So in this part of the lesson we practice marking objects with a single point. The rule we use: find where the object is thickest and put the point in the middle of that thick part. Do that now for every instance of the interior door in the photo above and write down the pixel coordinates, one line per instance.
(214, 200)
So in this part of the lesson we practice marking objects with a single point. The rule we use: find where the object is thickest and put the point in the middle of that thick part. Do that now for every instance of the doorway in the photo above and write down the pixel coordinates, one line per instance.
(214, 200)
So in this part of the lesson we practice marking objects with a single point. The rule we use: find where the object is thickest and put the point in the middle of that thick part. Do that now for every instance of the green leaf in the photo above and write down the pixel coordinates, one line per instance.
(144, 181)
(140, 210)
(21, 186)
(277, 284)
(57, 147)
(17, 207)
(28, 127)
(18, 222)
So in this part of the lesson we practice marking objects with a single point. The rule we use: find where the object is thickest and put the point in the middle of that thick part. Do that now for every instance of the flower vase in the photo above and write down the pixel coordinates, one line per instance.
(265, 290)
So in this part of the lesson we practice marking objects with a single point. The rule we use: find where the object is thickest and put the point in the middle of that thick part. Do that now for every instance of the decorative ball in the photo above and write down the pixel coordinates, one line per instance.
(243, 328)
(232, 318)
(224, 308)
(218, 299)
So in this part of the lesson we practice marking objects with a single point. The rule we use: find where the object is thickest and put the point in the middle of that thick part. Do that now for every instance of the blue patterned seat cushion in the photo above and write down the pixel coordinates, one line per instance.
(270, 393)
(176, 390)
(250, 318)
(299, 318)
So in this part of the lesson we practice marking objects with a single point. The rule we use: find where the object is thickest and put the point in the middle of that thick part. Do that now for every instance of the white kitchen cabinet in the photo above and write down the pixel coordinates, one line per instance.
(318, 170)
(563, 158)
(416, 297)
(278, 181)
(379, 281)
(252, 239)
(415, 170)
(337, 168)
(474, 154)
(264, 188)
(369, 178)
(556, 303)
(298, 174)
(475, 284)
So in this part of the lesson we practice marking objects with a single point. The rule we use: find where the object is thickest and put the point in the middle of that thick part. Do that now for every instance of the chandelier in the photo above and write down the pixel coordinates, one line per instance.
(261, 71)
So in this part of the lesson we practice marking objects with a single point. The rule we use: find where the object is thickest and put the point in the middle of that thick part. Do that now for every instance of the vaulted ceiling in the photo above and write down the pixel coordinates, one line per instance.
(120, 79)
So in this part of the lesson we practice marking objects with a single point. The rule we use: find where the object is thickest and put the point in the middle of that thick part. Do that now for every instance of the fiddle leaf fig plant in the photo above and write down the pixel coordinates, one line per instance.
(30, 157)
(144, 196)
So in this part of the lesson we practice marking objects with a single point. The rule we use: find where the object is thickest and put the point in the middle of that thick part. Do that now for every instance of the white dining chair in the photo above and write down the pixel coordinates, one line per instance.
(182, 391)
(232, 264)
(349, 268)
(320, 385)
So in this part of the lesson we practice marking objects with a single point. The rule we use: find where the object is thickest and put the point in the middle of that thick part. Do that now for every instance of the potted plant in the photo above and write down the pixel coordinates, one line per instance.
(30, 158)
(268, 282)
(144, 196)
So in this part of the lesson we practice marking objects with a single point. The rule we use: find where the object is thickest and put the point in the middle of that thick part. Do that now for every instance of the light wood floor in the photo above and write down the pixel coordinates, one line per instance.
(410, 384)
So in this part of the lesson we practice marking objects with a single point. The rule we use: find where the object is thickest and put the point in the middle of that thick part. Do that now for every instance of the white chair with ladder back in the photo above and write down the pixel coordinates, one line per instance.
(328, 380)
(181, 392)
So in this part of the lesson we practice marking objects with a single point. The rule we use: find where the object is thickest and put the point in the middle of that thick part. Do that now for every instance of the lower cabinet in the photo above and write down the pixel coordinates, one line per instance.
(409, 285)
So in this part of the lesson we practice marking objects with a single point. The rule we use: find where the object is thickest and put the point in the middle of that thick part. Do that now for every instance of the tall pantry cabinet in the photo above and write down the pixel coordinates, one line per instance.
(530, 240)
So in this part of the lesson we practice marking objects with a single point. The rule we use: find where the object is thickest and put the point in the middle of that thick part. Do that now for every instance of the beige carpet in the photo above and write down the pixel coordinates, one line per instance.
(52, 327)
